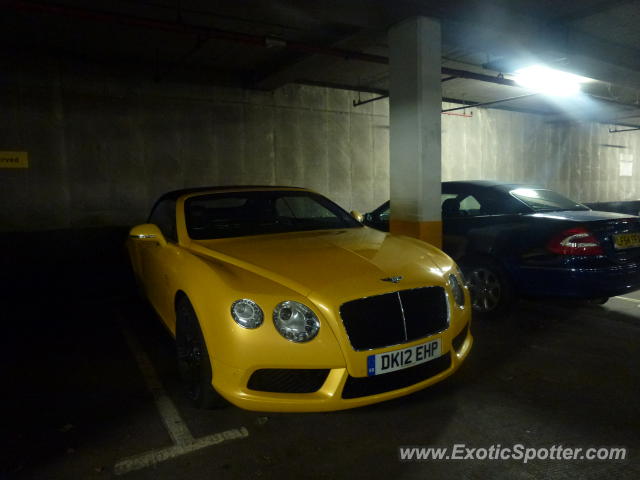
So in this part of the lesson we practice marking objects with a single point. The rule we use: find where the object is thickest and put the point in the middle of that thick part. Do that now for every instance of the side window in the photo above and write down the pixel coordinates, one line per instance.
(470, 206)
(164, 216)
(450, 205)
(459, 205)
(384, 215)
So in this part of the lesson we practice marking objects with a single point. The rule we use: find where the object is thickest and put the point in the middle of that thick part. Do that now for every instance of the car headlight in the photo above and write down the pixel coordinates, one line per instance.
(295, 321)
(456, 289)
(247, 313)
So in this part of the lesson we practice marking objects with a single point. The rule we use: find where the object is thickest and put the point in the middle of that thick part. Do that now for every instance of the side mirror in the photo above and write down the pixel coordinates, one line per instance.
(357, 215)
(147, 232)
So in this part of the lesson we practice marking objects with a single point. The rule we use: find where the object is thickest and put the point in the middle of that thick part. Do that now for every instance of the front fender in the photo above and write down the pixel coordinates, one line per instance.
(212, 286)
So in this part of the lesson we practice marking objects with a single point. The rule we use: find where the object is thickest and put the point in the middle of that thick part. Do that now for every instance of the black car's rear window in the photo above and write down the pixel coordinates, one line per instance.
(541, 200)
(240, 214)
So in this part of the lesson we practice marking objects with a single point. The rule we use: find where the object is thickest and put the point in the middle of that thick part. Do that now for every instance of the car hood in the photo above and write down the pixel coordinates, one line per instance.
(339, 263)
(582, 215)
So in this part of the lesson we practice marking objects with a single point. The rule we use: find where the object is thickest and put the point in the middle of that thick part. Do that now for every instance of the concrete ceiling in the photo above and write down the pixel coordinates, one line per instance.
(267, 44)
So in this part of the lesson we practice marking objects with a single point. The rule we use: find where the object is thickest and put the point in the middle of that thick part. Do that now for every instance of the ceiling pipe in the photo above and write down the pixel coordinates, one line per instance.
(499, 79)
(181, 28)
(379, 91)
(342, 86)
(616, 130)
(385, 94)
(357, 103)
(464, 115)
(206, 33)
(494, 102)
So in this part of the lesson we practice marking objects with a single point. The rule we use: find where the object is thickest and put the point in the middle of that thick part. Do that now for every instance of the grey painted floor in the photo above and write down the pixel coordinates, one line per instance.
(554, 373)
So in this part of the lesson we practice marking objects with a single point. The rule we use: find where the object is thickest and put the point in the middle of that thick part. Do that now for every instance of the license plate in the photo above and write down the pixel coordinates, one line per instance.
(626, 240)
(405, 358)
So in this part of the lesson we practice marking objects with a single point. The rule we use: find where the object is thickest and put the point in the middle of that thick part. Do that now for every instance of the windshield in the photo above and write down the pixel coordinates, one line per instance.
(541, 200)
(241, 214)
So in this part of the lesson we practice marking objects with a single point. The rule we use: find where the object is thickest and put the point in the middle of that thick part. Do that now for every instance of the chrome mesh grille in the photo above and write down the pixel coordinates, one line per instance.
(395, 318)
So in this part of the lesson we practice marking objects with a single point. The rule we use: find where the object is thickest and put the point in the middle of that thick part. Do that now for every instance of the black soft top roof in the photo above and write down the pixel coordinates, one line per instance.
(504, 186)
(175, 194)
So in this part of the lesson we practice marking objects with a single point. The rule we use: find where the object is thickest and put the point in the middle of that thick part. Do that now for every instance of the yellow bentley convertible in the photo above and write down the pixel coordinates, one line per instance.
(280, 300)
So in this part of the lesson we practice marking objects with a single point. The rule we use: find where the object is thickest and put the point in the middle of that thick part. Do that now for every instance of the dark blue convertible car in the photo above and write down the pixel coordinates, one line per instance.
(526, 240)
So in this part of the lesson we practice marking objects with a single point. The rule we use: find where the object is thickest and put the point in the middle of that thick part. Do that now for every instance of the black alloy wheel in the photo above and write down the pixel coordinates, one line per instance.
(193, 358)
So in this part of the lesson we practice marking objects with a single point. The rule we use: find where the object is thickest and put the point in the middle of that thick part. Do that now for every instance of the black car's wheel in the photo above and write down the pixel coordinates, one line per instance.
(193, 358)
(491, 292)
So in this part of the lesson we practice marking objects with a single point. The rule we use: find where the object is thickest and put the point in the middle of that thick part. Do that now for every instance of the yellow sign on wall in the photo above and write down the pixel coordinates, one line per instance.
(14, 160)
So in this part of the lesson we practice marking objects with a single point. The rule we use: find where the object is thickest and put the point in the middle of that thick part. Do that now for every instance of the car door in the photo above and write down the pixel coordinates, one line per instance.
(159, 262)
(458, 218)
(476, 221)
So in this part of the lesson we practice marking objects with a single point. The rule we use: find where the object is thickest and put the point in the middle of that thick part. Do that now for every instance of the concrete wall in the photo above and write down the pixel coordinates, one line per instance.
(580, 160)
(102, 149)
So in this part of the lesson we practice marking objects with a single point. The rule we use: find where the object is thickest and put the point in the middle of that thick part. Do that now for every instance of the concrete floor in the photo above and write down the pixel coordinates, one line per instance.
(76, 402)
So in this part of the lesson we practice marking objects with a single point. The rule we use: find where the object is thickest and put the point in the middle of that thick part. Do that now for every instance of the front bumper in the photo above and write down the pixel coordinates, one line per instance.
(339, 385)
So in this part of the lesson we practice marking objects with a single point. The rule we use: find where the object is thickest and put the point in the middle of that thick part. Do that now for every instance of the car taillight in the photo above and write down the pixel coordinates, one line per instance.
(575, 241)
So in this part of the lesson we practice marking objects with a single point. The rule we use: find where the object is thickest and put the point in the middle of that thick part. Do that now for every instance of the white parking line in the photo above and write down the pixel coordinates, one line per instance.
(628, 299)
(176, 427)
(183, 441)
(147, 459)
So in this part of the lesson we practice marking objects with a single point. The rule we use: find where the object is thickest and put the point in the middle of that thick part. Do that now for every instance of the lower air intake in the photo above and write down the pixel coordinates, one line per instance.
(283, 380)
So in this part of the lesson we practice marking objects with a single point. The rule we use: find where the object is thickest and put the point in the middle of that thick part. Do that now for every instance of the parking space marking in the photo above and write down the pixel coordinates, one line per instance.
(148, 459)
(176, 427)
(180, 435)
(628, 299)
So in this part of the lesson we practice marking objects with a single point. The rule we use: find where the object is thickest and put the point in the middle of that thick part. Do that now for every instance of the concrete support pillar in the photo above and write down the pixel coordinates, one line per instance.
(415, 103)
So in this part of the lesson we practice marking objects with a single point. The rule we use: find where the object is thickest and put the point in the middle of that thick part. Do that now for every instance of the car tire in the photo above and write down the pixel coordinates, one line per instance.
(490, 288)
(193, 359)
(599, 301)
(140, 293)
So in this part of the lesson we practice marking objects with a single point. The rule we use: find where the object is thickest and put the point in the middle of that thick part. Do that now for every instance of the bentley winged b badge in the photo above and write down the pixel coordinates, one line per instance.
(395, 279)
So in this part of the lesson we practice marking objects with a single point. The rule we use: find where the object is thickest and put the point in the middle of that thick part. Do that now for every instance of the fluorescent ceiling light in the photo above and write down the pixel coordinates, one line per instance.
(549, 81)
